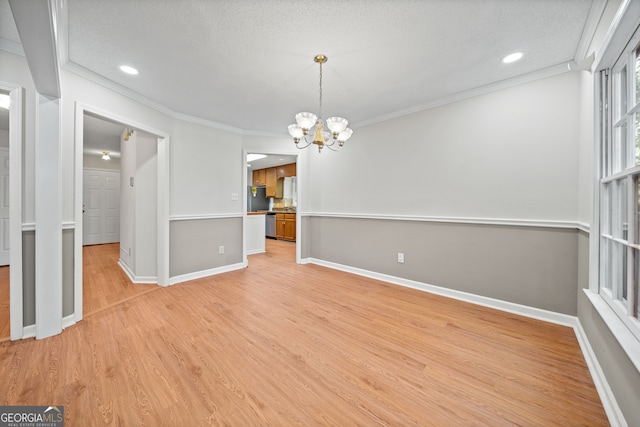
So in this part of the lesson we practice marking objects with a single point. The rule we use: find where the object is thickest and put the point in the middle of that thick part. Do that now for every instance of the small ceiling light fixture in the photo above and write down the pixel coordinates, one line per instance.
(105, 155)
(305, 121)
(5, 101)
(129, 70)
(512, 57)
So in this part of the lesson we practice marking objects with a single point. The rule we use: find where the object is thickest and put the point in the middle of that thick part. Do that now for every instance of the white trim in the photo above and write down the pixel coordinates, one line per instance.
(29, 331)
(614, 414)
(135, 279)
(16, 131)
(582, 226)
(609, 403)
(163, 207)
(29, 226)
(624, 336)
(510, 307)
(618, 34)
(458, 220)
(68, 225)
(205, 216)
(205, 273)
(590, 27)
(11, 47)
(48, 216)
(256, 251)
(78, 284)
(69, 320)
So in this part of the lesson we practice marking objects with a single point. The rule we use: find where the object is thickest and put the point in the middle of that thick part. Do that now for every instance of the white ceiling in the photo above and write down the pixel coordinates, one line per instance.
(248, 64)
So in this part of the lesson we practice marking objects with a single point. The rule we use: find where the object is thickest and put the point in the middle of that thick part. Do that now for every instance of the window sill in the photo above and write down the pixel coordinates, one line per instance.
(623, 335)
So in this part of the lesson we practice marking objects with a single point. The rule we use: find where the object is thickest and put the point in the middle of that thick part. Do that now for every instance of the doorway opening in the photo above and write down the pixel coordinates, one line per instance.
(271, 206)
(121, 239)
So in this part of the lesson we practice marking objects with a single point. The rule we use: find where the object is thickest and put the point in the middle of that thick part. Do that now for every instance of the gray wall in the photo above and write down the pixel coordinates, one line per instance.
(67, 272)
(622, 375)
(194, 244)
(533, 266)
(28, 278)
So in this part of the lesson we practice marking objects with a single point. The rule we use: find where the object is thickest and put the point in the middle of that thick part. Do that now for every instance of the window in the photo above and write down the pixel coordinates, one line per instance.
(619, 268)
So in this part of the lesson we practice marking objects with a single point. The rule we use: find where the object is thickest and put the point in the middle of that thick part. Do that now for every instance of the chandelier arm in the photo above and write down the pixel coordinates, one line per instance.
(305, 140)
(330, 147)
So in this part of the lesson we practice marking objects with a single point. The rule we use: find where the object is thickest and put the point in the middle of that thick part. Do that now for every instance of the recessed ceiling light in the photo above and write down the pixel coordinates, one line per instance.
(512, 58)
(129, 70)
(252, 157)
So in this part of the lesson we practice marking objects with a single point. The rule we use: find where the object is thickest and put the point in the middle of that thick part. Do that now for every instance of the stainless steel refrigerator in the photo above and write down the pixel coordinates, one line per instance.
(258, 201)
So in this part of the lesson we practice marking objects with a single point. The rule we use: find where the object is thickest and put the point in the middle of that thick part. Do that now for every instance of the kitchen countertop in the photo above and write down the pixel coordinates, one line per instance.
(272, 212)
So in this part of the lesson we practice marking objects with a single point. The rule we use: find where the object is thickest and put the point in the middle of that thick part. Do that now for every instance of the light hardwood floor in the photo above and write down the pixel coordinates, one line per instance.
(105, 284)
(284, 344)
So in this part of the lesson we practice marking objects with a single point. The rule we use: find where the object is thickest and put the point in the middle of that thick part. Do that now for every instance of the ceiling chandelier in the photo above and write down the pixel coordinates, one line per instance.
(338, 130)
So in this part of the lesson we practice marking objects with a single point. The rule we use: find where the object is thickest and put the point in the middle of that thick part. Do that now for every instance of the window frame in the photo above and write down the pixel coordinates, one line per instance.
(618, 182)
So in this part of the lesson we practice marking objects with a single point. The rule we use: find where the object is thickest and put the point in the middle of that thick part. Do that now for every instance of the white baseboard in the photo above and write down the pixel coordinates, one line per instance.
(616, 418)
(69, 320)
(510, 307)
(29, 331)
(609, 403)
(137, 279)
(256, 251)
(205, 273)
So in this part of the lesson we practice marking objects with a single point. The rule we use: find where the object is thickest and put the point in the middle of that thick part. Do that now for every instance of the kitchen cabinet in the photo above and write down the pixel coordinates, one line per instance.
(271, 182)
(286, 226)
(259, 177)
(285, 171)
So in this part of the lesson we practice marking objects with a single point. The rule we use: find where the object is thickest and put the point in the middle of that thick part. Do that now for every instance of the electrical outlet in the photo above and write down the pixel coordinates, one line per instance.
(400, 257)
(220, 250)
(234, 196)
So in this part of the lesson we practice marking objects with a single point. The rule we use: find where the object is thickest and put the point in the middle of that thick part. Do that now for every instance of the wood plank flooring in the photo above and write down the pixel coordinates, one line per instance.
(284, 344)
(104, 283)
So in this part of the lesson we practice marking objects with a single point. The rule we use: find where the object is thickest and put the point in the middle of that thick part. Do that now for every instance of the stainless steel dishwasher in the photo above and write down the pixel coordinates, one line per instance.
(270, 225)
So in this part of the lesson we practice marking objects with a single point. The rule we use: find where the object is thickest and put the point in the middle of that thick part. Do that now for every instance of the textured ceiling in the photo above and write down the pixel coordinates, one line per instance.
(248, 64)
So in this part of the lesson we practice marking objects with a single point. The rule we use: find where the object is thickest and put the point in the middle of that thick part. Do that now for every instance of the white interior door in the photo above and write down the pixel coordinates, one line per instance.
(4, 206)
(101, 207)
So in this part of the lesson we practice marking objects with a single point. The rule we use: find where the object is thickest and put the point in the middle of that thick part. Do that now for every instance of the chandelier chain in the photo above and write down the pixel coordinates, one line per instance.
(320, 106)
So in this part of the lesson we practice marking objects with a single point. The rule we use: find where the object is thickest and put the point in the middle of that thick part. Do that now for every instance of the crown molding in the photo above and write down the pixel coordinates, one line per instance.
(471, 93)
(11, 47)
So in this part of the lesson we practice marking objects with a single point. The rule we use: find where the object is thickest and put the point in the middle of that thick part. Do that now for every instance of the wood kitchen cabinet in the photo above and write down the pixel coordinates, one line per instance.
(271, 182)
(285, 171)
(286, 226)
(259, 177)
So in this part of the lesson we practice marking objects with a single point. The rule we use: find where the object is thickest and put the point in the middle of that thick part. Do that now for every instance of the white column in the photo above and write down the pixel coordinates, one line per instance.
(48, 215)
